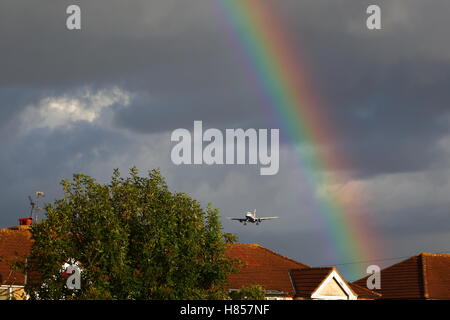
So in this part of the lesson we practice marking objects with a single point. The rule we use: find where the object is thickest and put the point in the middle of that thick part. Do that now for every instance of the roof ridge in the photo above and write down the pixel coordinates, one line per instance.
(335, 269)
(323, 280)
(364, 289)
(424, 275)
(290, 271)
(291, 280)
(431, 254)
(255, 245)
(312, 268)
(284, 257)
(271, 251)
(391, 266)
(15, 230)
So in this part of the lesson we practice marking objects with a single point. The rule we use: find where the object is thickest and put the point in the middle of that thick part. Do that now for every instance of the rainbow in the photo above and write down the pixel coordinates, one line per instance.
(275, 67)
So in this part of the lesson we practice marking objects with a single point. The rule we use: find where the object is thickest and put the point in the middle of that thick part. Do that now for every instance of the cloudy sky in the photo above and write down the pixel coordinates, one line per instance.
(110, 95)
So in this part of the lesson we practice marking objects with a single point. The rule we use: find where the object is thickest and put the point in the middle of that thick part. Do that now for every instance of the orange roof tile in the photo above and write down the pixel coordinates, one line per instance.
(424, 276)
(15, 246)
(364, 293)
(306, 281)
(261, 266)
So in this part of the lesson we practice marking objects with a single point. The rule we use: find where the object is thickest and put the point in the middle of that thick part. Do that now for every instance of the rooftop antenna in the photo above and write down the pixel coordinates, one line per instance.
(34, 206)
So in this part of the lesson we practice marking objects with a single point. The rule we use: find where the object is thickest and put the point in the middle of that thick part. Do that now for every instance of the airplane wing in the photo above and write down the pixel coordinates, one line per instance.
(238, 219)
(267, 218)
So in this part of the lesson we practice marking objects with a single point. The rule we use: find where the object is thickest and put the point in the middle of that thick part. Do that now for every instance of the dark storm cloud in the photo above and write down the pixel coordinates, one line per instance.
(172, 54)
(40, 159)
(175, 55)
(367, 81)
(392, 124)
(13, 101)
(384, 92)
(147, 114)
(155, 40)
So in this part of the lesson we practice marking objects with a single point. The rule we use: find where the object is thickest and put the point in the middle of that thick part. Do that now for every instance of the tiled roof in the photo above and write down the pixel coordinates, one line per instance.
(307, 280)
(261, 266)
(15, 246)
(424, 276)
(364, 293)
(437, 275)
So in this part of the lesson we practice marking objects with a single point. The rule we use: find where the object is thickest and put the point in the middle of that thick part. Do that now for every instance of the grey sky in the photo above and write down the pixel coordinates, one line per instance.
(140, 69)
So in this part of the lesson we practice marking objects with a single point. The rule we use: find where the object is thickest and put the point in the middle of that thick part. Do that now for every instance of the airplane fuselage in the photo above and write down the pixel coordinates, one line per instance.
(250, 218)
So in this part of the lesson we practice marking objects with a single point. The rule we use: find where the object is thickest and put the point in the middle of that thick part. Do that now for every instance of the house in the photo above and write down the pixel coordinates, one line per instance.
(424, 276)
(261, 266)
(15, 246)
(281, 277)
(287, 279)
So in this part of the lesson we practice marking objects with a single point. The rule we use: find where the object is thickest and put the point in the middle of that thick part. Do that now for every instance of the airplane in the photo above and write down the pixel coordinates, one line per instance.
(250, 217)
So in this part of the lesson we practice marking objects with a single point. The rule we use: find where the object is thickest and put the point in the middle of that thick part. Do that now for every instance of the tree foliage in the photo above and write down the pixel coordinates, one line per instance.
(230, 238)
(254, 292)
(134, 239)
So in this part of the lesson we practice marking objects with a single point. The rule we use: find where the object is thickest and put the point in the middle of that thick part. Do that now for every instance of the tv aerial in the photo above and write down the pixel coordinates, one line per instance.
(34, 205)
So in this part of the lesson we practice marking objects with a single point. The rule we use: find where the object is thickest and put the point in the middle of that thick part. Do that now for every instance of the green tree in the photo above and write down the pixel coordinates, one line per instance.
(254, 292)
(134, 239)
(230, 238)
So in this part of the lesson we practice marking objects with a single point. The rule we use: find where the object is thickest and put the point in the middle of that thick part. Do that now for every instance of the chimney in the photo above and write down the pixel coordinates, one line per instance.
(25, 221)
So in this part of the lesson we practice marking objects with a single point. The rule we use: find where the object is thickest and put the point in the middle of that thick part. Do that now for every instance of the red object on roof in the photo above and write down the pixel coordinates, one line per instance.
(15, 246)
(25, 221)
(261, 266)
(424, 276)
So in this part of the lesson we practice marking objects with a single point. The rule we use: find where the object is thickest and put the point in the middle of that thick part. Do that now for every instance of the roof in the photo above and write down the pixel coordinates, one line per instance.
(274, 272)
(424, 276)
(306, 281)
(261, 266)
(15, 246)
(364, 293)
